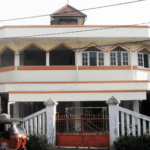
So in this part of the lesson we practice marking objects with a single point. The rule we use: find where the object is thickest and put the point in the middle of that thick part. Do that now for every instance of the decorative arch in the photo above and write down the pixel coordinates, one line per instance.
(122, 46)
(5, 47)
(64, 44)
(62, 54)
(32, 44)
(142, 47)
(7, 55)
(92, 44)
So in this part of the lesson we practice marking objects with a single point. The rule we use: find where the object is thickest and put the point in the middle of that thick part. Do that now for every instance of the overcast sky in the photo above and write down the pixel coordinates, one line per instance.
(135, 13)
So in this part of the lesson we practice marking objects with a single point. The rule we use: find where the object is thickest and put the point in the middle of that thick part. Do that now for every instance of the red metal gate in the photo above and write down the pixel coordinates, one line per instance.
(86, 131)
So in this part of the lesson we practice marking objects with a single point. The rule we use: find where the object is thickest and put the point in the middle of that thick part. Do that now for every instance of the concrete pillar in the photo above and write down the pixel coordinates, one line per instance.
(113, 120)
(16, 62)
(106, 59)
(47, 59)
(77, 115)
(16, 110)
(21, 110)
(136, 106)
(51, 121)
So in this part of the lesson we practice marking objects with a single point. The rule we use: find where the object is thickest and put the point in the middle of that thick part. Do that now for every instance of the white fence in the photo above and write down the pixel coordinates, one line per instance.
(35, 124)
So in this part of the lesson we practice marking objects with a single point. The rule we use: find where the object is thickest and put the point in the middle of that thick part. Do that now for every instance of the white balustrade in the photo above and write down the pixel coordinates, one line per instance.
(134, 125)
(39, 124)
(43, 123)
(35, 123)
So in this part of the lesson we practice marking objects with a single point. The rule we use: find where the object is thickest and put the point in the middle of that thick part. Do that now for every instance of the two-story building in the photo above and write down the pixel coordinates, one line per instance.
(75, 64)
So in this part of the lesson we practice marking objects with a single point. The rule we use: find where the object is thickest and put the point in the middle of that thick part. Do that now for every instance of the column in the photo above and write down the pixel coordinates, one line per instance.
(16, 62)
(136, 109)
(77, 115)
(107, 59)
(16, 110)
(47, 59)
(21, 110)
(77, 62)
(113, 120)
(136, 106)
(51, 121)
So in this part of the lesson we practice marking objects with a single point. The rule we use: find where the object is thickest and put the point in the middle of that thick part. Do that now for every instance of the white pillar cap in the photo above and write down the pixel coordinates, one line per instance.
(113, 101)
(50, 102)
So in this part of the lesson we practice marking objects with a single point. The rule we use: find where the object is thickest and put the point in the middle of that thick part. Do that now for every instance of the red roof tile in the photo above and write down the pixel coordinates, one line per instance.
(68, 11)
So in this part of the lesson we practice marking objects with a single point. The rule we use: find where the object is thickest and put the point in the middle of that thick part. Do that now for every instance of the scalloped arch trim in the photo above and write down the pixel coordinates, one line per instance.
(92, 44)
(124, 47)
(145, 46)
(32, 44)
(60, 45)
(5, 47)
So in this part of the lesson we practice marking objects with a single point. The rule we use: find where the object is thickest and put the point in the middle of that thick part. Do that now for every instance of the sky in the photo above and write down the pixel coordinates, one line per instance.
(135, 13)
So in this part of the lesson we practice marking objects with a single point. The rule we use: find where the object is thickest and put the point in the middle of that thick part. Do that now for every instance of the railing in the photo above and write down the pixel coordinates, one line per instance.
(35, 124)
(133, 123)
(87, 123)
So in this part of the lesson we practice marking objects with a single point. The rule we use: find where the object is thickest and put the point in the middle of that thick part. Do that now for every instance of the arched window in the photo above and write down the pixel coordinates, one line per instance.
(92, 56)
(32, 56)
(7, 58)
(62, 56)
(119, 57)
(144, 58)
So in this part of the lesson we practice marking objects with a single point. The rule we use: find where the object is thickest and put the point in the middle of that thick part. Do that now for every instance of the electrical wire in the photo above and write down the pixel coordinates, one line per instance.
(99, 46)
(58, 33)
(72, 11)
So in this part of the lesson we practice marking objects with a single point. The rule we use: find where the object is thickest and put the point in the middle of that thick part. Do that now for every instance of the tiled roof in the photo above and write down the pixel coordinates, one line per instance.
(68, 11)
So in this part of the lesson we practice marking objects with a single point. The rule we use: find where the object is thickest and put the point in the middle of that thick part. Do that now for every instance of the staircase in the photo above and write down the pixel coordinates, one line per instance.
(35, 124)
(133, 123)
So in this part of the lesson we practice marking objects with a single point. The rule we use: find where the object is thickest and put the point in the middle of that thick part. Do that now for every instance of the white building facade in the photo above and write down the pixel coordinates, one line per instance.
(76, 65)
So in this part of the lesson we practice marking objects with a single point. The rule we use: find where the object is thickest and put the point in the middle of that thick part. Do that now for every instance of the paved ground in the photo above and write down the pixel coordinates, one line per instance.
(82, 148)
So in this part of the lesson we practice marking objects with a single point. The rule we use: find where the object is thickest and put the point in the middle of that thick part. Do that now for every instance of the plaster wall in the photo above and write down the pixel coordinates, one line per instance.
(44, 75)
(73, 75)
(7, 76)
(76, 96)
(141, 75)
(73, 86)
(112, 32)
(104, 75)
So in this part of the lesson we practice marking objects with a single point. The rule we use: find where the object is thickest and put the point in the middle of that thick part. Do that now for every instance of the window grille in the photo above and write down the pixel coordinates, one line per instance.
(119, 57)
(85, 59)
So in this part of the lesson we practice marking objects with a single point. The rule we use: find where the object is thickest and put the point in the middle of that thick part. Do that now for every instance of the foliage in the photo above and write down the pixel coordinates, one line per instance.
(133, 143)
(37, 143)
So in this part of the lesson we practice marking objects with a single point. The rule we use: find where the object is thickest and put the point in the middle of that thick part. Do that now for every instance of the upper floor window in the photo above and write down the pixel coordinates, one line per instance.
(144, 58)
(119, 57)
(93, 56)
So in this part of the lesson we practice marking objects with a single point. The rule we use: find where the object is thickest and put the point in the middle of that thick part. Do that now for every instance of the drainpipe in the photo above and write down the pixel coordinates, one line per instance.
(76, 56)
(131, 62)
(8, 108)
